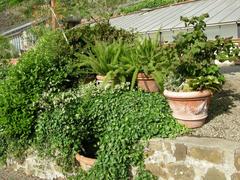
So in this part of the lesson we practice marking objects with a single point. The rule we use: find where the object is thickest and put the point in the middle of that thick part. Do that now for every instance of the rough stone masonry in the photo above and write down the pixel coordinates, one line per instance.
(183, 158)
(191, 158)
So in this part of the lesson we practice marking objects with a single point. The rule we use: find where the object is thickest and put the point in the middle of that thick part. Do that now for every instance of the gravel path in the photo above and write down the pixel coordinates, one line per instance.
(224, 115)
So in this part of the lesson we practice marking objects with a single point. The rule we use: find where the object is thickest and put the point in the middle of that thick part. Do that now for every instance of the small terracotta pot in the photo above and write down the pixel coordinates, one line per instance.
(189, 108)
(146, 83)
(85, 162)
(100, 79)
(14, 61)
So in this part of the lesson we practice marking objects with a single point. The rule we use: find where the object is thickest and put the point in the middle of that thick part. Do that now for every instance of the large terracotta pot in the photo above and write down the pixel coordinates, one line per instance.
(147, 83)
(85, 162)
(189, 108)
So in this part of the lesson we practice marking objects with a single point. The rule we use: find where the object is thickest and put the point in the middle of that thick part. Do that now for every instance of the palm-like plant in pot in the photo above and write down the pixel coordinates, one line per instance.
(103, 59)
(148, 63)
(196, 77)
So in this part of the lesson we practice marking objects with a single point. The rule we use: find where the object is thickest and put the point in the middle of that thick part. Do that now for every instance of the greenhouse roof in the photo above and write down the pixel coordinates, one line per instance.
(168, 18)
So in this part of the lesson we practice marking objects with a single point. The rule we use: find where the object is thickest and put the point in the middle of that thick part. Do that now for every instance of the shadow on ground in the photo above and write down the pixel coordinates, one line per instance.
(222, 102)
(230, 69)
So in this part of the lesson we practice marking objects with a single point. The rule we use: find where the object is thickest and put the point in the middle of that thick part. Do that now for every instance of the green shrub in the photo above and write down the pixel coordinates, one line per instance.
(81, 37)
(112, 121)
(62, 124)
(6, 49)
(148, 4)
(51, 65)
(45, 67)
(196, 68)
(123, 118)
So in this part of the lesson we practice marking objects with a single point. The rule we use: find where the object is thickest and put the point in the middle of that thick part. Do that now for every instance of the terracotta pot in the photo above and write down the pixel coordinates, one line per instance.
(147, 83)
(189, 108)
(85, 162)
(14, 61)
(100, 79)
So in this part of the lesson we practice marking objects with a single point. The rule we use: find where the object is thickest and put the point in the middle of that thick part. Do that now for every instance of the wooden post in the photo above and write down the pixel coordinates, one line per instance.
(54, 23)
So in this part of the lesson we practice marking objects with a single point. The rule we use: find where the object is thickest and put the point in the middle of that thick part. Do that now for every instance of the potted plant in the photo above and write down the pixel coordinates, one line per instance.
(144, 58)
(190, 85)
(103, 59)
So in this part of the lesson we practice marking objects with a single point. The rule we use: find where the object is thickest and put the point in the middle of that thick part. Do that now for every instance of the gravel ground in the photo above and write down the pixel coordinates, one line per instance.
(224, 116)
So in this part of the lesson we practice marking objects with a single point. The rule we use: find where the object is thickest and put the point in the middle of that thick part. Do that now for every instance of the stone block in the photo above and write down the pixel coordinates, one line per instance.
(168, 147)
(180, 152)
(156, 169)
(212, 155)
(148, 152)
(214, 174)
(155, 146)
(235, 176)
(181, 171)
(237, 159)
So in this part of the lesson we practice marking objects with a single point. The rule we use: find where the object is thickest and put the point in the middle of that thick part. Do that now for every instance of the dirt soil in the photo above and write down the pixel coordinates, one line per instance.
(224, 116)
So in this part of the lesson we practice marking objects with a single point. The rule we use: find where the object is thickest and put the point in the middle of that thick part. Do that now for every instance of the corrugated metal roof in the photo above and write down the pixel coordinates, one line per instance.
(220, 11)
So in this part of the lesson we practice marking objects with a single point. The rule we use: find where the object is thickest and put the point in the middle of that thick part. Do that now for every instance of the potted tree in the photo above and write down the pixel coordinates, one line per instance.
(190, 85)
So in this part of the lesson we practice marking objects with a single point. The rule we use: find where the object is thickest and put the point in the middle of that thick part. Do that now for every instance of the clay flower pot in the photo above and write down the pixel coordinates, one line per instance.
(146, 83)
(14, 61)
(189, 108)
(100, 79)
(85, 162)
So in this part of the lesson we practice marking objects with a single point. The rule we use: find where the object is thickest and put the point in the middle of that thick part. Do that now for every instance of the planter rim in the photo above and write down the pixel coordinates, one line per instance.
(191, 94)
(85, 160)
(100, 77)
(143, 76)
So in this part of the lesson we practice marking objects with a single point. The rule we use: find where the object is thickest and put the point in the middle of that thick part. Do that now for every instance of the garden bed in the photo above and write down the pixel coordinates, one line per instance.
(224, 116)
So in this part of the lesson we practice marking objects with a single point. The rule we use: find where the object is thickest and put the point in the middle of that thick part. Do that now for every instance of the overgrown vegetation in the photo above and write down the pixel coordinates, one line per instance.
(7, 51)
(111, 121)
(148, 4)
(46, 104)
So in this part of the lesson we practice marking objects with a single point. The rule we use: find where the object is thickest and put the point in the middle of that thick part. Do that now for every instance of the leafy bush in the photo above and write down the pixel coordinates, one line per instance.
(51, 65)
(6, 49)
(45, 67)
(83, 37)
(196, 69)
(129, 117)
(111, 120)
(148, 4)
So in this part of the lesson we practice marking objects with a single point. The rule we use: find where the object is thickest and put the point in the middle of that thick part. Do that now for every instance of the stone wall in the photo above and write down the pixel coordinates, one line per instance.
(184, 158)
(33, 165)
(191, 158)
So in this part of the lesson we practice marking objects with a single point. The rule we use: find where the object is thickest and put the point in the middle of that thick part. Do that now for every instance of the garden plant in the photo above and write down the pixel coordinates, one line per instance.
(190, 85)
(46, 104)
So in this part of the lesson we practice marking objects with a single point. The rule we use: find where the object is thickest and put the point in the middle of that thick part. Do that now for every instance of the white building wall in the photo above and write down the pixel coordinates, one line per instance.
(228, 30)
